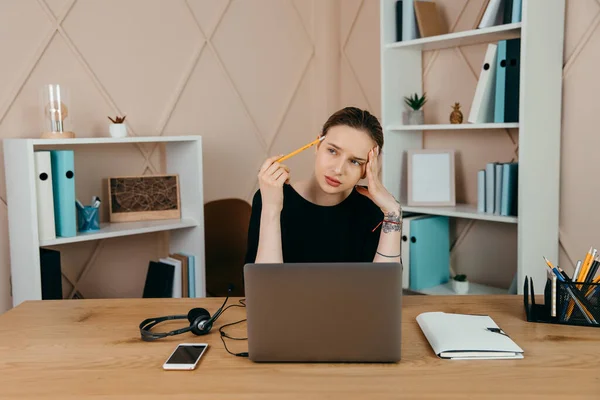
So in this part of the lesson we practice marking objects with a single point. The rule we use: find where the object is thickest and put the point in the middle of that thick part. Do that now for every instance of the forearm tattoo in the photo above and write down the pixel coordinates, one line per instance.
(392, 222)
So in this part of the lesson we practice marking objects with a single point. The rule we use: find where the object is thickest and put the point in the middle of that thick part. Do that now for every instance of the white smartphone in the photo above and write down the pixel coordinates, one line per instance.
(185, 356)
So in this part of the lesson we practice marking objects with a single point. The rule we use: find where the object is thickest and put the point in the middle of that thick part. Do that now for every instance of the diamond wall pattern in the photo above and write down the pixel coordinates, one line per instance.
(251, 77)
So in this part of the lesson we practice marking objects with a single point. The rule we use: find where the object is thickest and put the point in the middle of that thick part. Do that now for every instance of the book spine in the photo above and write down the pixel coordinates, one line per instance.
(481, 191)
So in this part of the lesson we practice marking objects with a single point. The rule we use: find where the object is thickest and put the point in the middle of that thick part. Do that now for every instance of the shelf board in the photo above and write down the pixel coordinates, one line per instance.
(474, 289)
(111, 140)
(460, 211)
(116, 229)
(433, 127)
(465, 38)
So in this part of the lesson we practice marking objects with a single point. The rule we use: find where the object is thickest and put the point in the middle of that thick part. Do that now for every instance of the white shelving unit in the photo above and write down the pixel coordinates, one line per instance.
(542, 34)
(183, 157)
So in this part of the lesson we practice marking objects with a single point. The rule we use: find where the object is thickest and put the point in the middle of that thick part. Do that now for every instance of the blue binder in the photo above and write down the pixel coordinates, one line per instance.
(63, 189)
(516, 11)
(500, 82)
(429, 252)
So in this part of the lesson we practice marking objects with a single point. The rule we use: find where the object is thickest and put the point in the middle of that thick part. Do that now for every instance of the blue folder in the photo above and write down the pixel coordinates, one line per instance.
(500, 82)
(516, 11)
(429, 252)
(63, 190)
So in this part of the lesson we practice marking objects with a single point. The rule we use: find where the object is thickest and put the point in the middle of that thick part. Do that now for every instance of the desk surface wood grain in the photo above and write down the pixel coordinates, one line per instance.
(75, 349)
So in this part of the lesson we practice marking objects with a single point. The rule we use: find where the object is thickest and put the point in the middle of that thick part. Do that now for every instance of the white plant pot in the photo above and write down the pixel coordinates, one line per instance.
(118, 130)
(460, 287)
(414, 117)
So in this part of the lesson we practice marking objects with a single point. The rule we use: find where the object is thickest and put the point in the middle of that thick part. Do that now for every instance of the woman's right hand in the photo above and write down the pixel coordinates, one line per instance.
(271, 177)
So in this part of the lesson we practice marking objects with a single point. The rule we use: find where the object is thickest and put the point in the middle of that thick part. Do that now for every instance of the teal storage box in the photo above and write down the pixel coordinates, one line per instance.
(429, 252)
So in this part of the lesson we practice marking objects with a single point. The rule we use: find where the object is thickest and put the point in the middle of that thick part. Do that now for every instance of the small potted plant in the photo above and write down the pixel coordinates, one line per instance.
(460, 284)
(415, 116)
(117, 128)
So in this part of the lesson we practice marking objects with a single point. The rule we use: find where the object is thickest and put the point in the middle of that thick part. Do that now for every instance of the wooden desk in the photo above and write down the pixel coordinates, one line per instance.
(91, 348)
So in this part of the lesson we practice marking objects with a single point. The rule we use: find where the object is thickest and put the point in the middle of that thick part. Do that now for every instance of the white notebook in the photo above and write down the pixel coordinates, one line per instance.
(467, 337)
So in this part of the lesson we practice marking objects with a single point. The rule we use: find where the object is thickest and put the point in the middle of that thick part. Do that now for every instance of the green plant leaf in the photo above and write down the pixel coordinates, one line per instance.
(415, 101)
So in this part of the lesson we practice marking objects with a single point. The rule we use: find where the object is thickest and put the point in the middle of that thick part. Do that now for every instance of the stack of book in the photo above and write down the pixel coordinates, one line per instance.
(497, 187)
(173, 276)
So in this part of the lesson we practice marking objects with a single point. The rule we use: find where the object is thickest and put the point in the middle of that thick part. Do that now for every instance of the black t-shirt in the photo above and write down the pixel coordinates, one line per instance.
(313, 233)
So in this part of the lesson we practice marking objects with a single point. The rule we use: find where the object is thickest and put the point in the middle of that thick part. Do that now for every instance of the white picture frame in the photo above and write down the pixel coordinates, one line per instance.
(431, 180)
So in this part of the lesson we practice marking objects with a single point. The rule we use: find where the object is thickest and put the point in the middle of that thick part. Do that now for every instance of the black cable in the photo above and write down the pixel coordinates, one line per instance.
(225, 335)
(220, 308)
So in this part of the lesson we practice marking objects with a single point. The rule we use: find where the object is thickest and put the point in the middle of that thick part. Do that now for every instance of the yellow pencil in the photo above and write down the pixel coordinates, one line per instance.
(293, 153)
(585, 265)
(591, 288)
(581, 277)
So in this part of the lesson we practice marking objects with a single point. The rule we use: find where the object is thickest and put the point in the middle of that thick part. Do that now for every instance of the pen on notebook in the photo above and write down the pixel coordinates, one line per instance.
(293, 153)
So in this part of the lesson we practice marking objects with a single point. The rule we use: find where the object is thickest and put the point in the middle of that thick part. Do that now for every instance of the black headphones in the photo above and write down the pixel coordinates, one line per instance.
(199, 318)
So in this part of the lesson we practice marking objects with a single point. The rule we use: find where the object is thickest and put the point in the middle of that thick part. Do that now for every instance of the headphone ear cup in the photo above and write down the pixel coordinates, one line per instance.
(196, 316)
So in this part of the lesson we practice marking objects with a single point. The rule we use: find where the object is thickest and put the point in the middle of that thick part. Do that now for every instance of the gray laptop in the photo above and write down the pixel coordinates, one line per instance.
(324, 312)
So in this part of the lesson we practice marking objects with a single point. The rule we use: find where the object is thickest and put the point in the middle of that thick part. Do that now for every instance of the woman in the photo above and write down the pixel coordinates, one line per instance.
(328, 218)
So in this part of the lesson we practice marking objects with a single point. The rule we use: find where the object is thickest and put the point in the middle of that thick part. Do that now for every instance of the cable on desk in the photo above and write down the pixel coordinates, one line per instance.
(225, 335)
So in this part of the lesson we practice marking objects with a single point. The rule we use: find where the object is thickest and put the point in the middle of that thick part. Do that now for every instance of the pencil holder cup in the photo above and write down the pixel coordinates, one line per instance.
(569, 303)
(577, 303)
(88, 219)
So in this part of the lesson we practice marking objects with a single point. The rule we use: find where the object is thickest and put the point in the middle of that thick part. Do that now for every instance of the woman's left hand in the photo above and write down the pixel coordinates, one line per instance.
(376, 191)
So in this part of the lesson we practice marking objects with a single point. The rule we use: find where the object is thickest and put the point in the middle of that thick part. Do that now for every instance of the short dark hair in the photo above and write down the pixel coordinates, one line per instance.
(358, 119)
